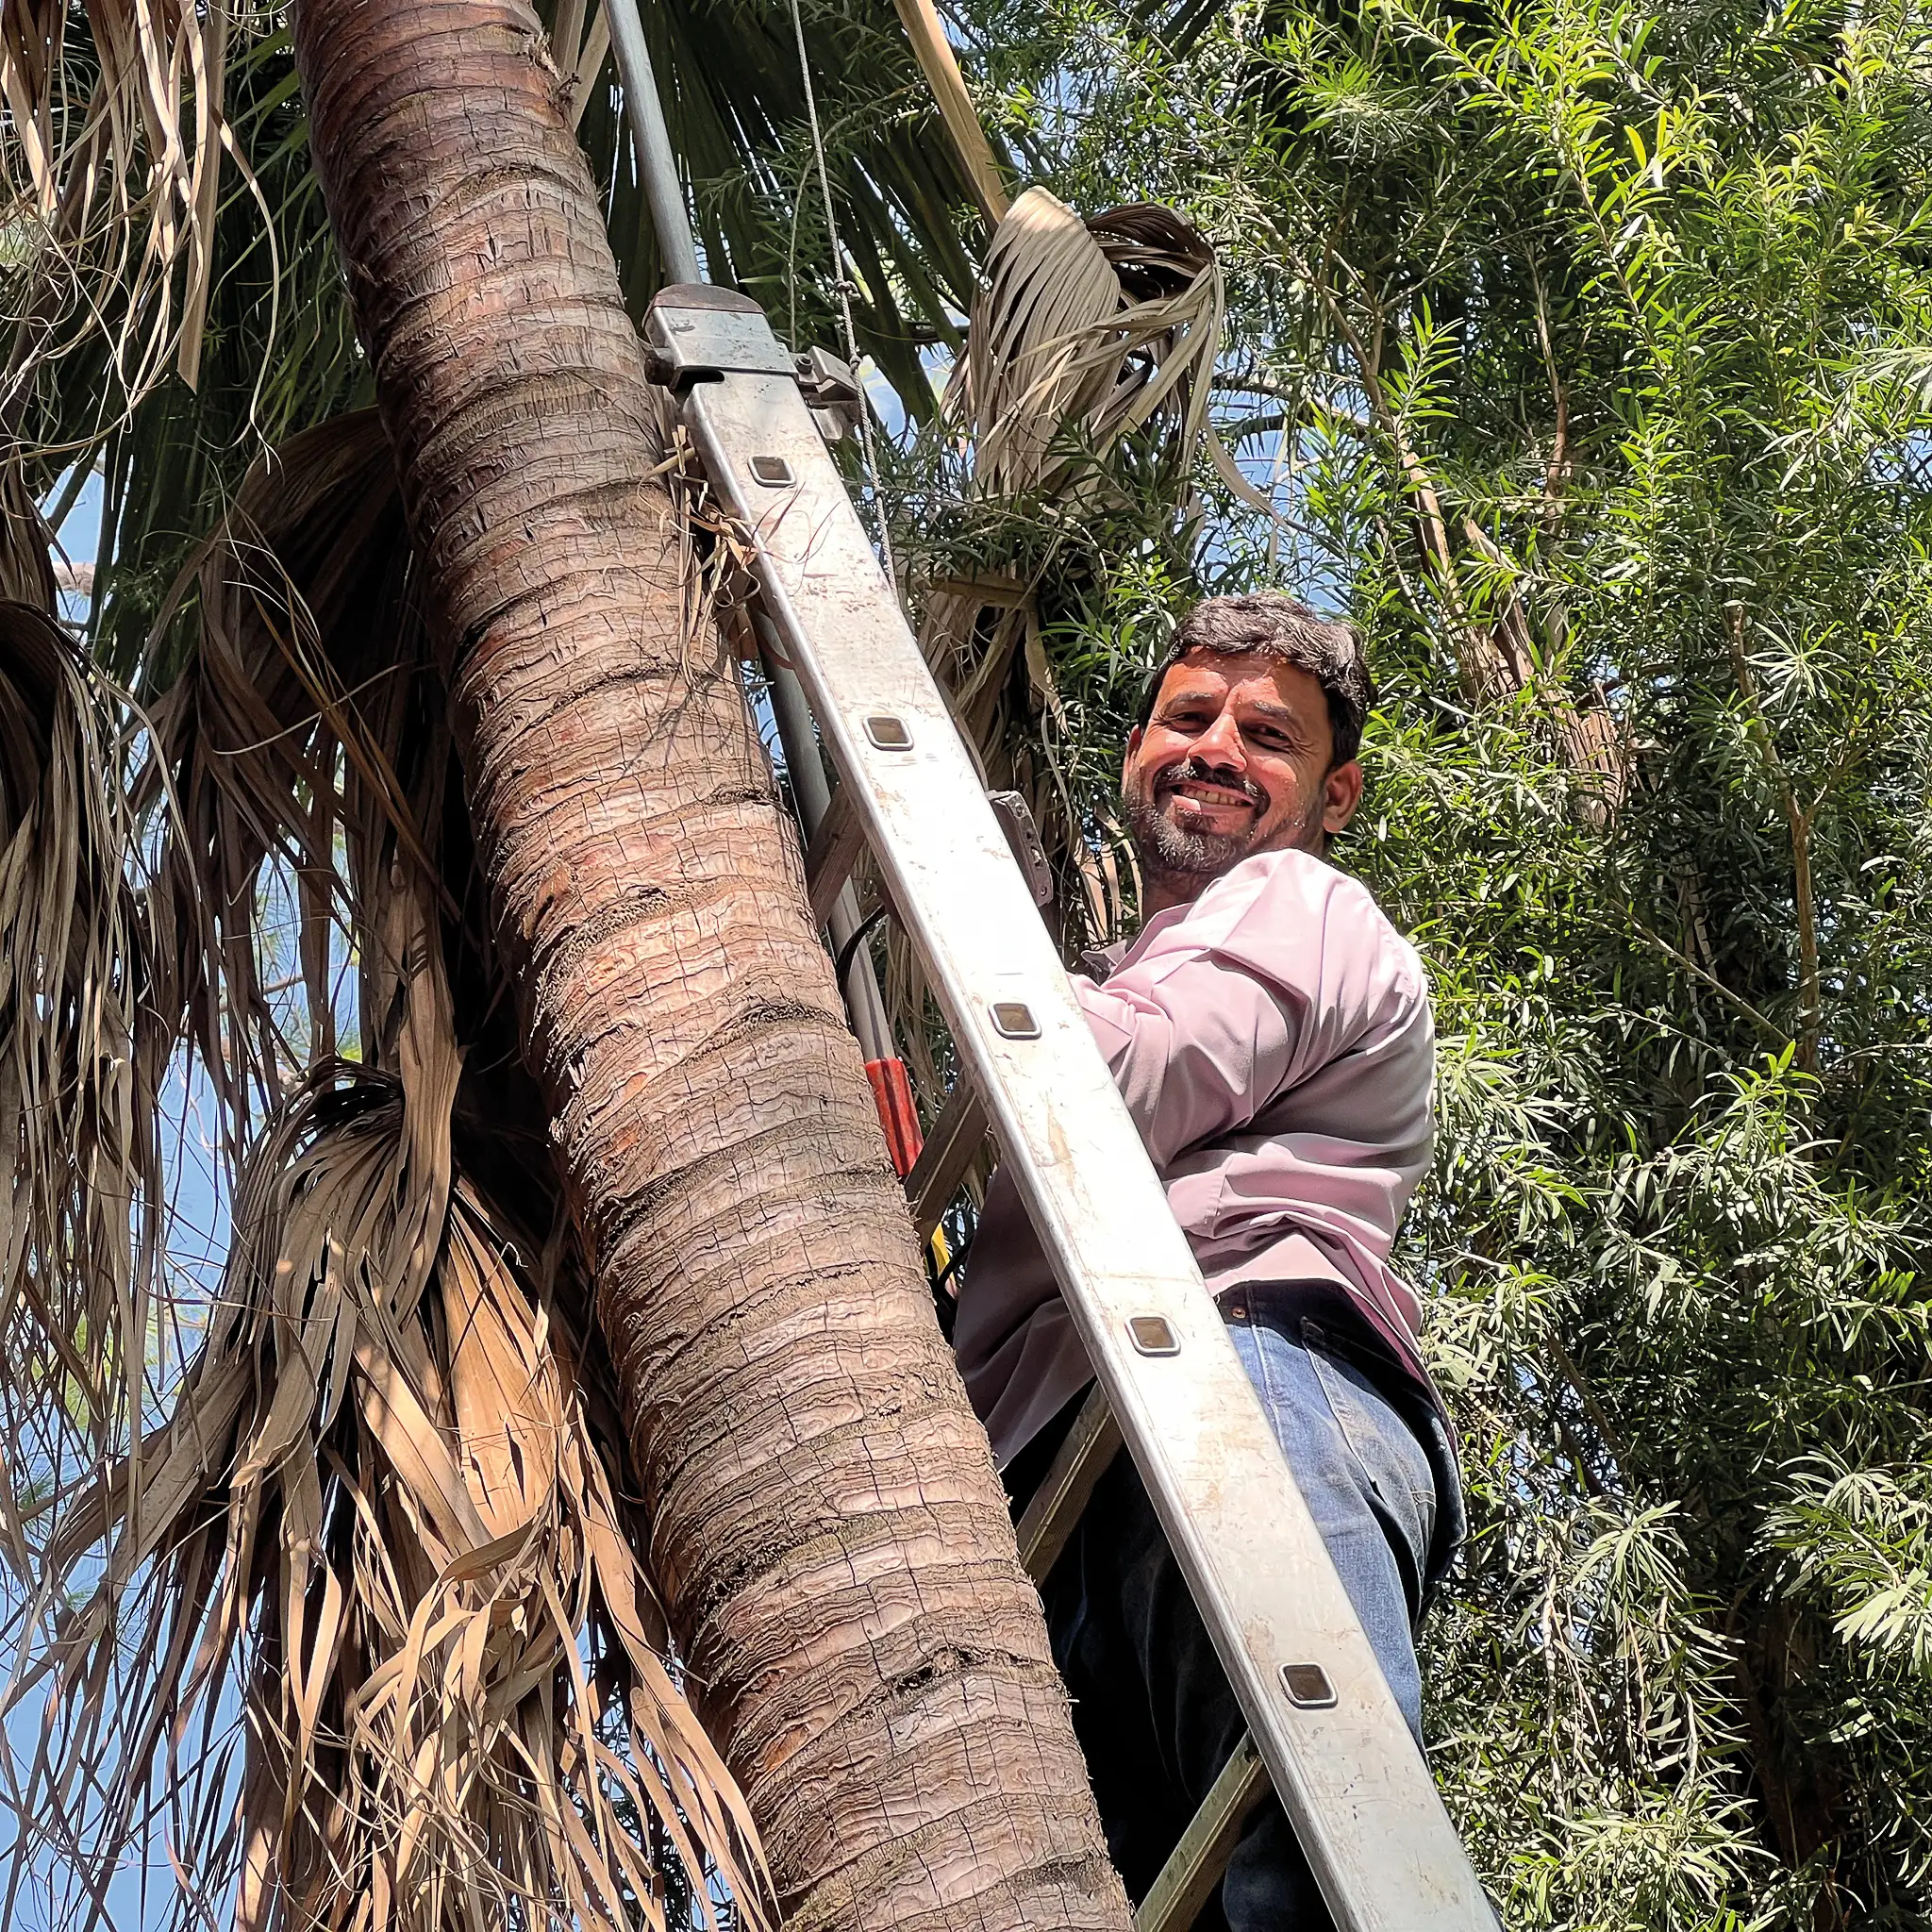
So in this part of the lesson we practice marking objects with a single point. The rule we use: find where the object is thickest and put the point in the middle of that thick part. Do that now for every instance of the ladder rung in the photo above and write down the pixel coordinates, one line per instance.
(950, 1149)
(1048, 1519)
(1196, 1866)
(832, 854)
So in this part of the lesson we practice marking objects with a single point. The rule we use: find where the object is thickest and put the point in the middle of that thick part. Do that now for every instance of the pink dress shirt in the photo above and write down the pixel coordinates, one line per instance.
(1274, 1045)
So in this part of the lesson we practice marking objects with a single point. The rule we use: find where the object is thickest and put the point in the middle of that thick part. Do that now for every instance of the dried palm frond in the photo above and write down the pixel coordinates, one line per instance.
(110, 150)
(81, 1053)
(26, 568)
(1082, 333)
(379, 1516)
(384, 1520)
(1089, 353)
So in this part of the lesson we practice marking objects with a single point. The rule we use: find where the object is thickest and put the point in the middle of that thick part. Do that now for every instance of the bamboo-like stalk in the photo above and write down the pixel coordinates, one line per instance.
(941, 66)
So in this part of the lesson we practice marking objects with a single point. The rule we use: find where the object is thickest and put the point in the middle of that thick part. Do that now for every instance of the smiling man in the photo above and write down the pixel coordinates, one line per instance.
(1272, 1035)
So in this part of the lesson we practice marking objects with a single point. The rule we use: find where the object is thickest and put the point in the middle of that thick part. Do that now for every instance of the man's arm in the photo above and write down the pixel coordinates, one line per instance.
(1274, 971)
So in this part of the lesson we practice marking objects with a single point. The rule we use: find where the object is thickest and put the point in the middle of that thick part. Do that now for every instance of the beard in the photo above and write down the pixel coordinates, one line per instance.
(1166, 849)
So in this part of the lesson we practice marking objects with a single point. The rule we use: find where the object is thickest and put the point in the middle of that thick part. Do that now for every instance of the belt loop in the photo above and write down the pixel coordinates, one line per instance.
(1313, 1334)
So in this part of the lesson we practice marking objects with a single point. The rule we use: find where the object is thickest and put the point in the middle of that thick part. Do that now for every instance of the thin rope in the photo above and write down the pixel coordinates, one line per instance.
(843, 286)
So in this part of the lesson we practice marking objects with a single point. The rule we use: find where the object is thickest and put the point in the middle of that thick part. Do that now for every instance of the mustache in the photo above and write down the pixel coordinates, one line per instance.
(1198, 771)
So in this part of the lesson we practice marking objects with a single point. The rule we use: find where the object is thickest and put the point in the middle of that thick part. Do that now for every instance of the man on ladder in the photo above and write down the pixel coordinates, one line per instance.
(1272, 1035)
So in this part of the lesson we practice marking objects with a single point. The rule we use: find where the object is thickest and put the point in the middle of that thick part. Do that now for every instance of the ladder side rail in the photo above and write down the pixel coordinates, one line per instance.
(1382, 1847)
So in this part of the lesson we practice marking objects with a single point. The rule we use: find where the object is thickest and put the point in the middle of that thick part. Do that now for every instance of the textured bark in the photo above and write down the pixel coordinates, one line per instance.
(829, 1532)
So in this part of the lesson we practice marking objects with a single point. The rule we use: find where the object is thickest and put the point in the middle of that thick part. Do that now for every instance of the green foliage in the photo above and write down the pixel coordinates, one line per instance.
(1586, 347)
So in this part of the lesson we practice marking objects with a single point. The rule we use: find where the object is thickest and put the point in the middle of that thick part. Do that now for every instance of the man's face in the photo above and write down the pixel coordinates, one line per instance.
(1234, 760)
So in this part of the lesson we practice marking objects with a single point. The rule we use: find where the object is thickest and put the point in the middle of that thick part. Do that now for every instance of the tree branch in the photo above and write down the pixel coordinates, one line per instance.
(1798, 819)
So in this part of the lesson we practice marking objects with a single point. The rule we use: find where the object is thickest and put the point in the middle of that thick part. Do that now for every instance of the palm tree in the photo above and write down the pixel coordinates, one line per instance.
(460, 1418)
(829, 1533)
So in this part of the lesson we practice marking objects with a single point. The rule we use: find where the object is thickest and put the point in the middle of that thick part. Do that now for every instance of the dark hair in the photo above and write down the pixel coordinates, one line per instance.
(1273, 626)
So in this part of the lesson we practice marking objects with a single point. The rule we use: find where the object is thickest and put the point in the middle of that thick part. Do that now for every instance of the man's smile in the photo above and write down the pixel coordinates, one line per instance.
(1192, 795)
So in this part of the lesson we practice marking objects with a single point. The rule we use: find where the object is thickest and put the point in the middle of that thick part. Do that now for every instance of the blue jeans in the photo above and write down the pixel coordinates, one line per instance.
(1153, 1709)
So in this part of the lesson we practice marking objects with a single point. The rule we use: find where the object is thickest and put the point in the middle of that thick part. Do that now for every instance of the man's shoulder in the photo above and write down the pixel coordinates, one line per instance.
(1277, 890)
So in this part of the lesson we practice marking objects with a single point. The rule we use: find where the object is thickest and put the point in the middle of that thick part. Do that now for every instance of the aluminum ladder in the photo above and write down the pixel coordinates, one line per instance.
(1322, 1723)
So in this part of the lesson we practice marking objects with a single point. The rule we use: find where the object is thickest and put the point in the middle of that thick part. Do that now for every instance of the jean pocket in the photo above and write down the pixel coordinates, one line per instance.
(1392, 1463)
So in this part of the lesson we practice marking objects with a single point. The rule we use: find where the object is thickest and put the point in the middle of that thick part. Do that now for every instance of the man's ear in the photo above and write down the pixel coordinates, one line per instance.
(1341, 792)
(1134, 738)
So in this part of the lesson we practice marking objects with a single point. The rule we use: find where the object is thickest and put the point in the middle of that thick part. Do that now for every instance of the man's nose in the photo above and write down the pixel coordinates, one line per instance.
(1221, 743)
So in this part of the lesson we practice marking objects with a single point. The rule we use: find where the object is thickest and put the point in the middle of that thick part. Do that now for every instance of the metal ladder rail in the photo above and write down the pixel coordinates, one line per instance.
(1381, 1846)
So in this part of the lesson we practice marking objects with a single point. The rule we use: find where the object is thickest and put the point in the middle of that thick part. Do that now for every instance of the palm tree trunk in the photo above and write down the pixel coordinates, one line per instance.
(829, 1531)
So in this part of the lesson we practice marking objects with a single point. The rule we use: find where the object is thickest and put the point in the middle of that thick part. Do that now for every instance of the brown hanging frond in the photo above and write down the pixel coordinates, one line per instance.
(1082, 333)
(110, 151)
(378, 1517)
(364, 1621)
(27, 565)
(81, 1055)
